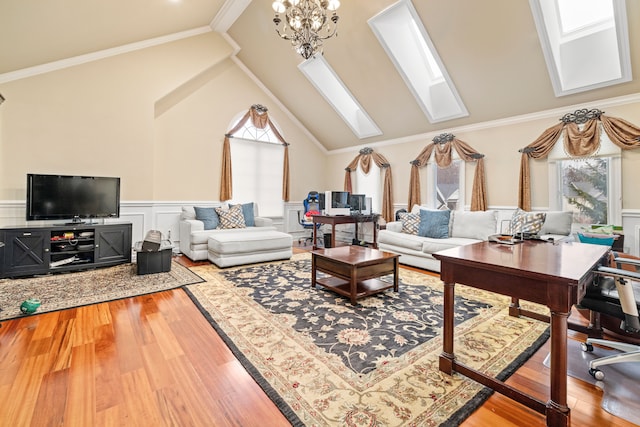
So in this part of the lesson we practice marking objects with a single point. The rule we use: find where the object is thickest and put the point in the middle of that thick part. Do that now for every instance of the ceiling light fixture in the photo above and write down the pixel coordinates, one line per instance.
(306, 23)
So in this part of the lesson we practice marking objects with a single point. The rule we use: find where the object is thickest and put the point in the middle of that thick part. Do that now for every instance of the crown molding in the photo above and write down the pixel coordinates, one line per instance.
(508, 121)
(101, 54)
(228, 14)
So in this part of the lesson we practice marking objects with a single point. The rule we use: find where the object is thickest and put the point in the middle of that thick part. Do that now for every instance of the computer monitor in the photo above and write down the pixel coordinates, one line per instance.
(339, 199)
(357, 202)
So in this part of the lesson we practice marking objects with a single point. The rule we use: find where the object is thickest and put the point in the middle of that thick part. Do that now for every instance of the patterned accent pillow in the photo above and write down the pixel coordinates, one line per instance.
(410, 222)
(527, 222)
(232, 218)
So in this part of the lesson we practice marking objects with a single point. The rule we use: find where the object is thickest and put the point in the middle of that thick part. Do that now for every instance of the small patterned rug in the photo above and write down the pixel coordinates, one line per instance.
(67, 290)
(325, 362)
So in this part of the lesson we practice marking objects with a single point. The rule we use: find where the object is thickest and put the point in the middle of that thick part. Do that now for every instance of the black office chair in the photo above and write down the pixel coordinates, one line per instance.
(311, 207)
(612, 294)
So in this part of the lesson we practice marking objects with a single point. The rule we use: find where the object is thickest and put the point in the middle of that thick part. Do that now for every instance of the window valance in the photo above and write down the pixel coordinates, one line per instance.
(577, 142)
(441, 149)
(364, 159)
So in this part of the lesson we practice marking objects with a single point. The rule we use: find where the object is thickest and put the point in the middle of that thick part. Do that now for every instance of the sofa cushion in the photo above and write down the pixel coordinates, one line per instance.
(474, 224)
(208, 216)
(410, 222)
(248, 213)
(403, 240)
(527, 222)
(231, 218)
(188, 212)
(557, 222)
(434, 223)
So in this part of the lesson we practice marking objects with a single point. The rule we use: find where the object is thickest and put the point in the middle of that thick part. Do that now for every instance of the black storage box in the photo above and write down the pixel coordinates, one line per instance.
(158, 261)
(154, 262)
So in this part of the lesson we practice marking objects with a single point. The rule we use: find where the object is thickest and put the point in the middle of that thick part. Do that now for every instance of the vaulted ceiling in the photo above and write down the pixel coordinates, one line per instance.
(490, 49)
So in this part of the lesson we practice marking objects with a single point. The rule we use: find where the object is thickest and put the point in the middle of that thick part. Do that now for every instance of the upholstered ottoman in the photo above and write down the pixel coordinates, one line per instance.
(229, 249)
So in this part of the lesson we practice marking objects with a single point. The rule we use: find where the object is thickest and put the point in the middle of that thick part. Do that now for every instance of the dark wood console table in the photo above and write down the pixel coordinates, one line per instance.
(333, 220)
(541, 272)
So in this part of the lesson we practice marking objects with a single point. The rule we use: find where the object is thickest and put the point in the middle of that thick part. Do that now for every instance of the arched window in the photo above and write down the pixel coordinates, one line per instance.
(261, 169)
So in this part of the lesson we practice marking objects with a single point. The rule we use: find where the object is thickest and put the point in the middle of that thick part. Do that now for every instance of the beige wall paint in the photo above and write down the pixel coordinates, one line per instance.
(154, 117)
(191, 135)
(500, 144)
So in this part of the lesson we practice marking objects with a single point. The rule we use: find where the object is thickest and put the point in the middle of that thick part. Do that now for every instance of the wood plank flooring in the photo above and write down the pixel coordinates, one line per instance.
(154, 360)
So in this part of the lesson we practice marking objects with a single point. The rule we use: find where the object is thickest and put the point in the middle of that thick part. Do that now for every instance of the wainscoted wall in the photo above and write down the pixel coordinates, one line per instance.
(165, 216)
(144, 216)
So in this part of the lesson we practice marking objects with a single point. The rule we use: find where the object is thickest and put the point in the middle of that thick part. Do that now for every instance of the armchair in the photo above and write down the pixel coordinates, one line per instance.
(613, 294)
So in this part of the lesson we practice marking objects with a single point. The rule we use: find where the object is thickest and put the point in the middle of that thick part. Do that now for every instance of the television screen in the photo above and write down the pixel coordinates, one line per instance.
(339, 199)
(51, 197)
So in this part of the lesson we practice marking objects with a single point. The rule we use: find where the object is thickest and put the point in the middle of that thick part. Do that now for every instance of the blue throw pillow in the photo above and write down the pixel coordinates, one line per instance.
(434, 224)
(247, 211)
(208, 216)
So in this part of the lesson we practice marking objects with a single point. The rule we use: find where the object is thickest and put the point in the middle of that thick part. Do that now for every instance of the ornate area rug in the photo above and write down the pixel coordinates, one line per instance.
(67, 290)
(325, 362)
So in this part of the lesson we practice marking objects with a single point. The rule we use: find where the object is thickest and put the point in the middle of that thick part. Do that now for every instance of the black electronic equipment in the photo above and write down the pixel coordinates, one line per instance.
(65, 197)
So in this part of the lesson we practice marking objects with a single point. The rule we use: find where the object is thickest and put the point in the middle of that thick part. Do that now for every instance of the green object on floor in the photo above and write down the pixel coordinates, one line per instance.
(30, 306)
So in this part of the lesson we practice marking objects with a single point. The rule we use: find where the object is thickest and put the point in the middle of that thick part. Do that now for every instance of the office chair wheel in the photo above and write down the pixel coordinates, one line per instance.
(586, 347)
(596, 373)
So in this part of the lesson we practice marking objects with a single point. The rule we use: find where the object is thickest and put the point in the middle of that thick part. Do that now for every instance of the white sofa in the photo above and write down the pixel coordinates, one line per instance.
(465, 228)
(226, 247)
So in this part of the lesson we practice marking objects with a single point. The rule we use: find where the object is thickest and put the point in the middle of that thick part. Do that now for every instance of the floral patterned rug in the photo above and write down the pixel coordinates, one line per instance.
(325, 362)
(67, 290)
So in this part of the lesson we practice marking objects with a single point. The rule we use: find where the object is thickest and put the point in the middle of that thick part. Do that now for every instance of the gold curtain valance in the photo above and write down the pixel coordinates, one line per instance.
(260, 119)
(364, 159)
(577, 143)
(441, 149)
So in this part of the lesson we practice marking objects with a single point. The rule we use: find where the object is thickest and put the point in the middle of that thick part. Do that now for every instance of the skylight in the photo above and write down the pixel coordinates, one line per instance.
(402, 35)
(325, 80)
(585, 43)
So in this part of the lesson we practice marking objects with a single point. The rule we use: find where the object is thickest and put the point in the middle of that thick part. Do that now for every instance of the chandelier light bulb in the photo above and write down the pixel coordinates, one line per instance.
(333, 5)
(278, 6)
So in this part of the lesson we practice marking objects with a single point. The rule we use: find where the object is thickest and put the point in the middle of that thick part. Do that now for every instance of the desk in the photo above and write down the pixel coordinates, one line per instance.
(344, 219)
(541, 272)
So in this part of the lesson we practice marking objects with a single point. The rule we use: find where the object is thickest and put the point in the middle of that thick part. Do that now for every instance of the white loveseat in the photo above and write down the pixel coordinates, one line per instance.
(257, 242)
(465, 228)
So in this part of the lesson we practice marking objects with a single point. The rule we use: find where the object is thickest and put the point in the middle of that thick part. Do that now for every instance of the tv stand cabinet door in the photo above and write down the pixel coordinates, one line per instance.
(26, 252)
(113, 244)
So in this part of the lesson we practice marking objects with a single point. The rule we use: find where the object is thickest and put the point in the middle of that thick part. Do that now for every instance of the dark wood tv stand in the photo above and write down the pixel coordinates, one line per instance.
(38, 250)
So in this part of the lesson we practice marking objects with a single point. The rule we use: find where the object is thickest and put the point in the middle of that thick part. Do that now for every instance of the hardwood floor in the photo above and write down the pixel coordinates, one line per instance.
(154, 360)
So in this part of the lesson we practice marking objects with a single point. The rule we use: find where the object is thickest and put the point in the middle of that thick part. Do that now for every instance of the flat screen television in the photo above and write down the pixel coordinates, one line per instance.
(66, 197)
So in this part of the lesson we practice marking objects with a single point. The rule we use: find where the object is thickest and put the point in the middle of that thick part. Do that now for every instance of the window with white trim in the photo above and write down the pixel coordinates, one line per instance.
(257, 159)
(445, 186)
(590, 187)
(370, 185)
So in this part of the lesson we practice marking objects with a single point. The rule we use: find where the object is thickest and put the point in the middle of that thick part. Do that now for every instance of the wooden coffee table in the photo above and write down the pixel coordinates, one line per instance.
(354, 270)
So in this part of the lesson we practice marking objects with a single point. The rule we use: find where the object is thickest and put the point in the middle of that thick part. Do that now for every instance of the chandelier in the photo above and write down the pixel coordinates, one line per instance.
(306, 23)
